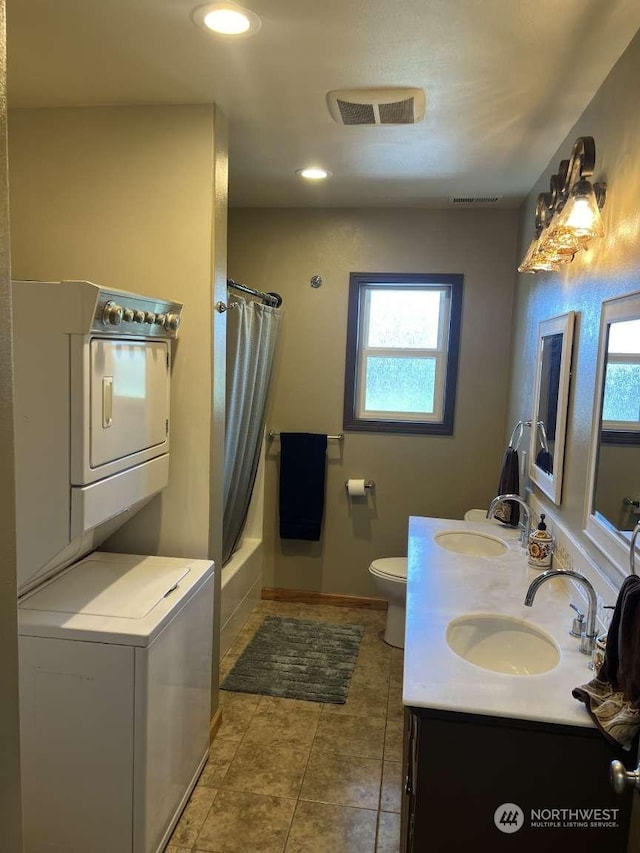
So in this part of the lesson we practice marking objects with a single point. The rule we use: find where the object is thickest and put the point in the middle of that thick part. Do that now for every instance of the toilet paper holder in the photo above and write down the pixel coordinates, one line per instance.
(368, 484)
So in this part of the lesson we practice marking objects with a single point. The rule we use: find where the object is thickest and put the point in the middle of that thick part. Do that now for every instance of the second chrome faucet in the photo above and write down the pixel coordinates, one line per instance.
(588, 640)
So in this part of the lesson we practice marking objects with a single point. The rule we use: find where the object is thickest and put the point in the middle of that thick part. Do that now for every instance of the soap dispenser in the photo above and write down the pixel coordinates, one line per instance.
(540, 546)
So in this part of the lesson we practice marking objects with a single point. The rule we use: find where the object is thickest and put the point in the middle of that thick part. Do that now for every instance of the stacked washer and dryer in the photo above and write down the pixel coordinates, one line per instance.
(115, 649)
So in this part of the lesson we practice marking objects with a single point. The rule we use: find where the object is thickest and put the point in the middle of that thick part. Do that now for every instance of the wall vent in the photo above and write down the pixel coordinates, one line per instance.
(402, 105)
(474, 199)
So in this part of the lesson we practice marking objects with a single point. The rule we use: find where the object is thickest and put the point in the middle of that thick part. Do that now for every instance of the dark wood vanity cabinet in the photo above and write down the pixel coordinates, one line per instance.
(460, 769)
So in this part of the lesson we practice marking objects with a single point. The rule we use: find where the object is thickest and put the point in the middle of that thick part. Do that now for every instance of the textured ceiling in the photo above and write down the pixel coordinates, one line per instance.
(504, 81)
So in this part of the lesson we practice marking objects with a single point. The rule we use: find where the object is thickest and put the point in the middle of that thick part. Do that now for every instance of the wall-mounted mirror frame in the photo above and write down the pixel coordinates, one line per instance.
(550, 404)
(602, 530)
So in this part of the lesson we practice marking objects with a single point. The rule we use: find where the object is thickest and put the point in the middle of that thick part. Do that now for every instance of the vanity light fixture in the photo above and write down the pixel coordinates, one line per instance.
(227, 19)
(314, 173)
(568, 216)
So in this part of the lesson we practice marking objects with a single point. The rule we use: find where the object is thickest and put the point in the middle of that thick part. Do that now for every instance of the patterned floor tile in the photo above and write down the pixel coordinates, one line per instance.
(346, 735)
(267, 769)
(395, 708)
(393, 742)
(246, 823)
(325, 828)
(193, 817)
(342, 780)
(397, 667)
(388, 833)
(361, 701)
(221, 754)
(238, 710)
(275, 703)
(295, 728)
(391, 793)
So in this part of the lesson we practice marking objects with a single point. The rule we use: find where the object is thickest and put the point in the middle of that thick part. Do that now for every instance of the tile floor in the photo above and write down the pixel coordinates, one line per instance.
(287, 776)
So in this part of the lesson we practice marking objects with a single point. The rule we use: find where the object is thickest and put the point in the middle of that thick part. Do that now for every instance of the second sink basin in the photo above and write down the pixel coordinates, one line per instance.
(502, 644)
(471, 543)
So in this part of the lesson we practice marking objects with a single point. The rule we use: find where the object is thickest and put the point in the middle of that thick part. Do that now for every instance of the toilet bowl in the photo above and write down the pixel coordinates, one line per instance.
(390, 576)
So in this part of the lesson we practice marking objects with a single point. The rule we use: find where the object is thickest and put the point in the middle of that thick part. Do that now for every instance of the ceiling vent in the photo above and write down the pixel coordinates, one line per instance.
(469, 200)
(402, 105)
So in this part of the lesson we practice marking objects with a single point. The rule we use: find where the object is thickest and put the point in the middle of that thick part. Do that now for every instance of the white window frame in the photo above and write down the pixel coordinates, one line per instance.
(621, 358)
(446, 353)
(440, 354)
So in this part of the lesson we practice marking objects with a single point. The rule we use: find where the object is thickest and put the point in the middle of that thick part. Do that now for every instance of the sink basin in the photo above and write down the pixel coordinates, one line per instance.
(471, 543)
(477, 515)
(502, 644)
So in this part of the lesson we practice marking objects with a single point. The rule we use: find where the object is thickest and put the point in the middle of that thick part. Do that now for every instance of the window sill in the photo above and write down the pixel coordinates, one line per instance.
(399, 427)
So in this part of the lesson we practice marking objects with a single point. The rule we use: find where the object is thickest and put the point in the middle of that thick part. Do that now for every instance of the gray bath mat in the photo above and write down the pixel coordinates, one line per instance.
(297, 659)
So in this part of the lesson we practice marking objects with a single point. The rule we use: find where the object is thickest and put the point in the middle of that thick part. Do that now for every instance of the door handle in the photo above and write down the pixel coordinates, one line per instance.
(107, 401)
(621, 778)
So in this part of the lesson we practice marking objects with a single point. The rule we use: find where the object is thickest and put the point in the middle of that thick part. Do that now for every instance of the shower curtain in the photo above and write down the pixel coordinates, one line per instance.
(252, 334)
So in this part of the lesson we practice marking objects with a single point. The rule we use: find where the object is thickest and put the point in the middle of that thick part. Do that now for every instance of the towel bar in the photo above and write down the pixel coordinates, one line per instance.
(518, 432)
(340, 437)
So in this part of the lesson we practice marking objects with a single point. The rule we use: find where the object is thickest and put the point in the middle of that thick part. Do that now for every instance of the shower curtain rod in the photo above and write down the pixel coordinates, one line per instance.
(273, 299)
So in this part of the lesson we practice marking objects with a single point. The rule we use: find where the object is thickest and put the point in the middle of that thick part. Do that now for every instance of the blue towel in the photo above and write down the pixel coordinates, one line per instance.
(303, 458)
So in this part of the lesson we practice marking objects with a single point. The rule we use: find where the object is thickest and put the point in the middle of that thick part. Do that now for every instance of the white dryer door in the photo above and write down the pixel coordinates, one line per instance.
(129, 398)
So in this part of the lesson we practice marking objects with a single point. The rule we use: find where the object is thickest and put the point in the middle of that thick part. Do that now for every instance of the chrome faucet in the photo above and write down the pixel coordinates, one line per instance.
(632, 548)
(525, 526)
(588, 640)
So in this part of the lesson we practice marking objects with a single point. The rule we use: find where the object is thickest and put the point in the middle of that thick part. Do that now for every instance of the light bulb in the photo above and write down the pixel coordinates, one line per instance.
(227, 19)
(313, 173)
(579, 220)
(227, 22)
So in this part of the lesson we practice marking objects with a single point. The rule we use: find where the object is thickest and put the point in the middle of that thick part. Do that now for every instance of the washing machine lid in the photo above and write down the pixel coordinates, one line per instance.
(128, 589)
(115, 598)
(393, 567)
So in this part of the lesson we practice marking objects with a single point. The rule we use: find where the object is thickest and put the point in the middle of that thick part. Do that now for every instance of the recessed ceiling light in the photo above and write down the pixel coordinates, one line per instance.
(227, 19)
(314, 173)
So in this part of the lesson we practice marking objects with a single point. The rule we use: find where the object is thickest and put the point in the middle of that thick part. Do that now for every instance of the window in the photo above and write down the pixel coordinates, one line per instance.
(621, 397)
(402, 352)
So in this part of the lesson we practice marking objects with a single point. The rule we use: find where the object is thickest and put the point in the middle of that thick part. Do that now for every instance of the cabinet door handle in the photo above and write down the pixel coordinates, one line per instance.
(621, 778)
(412, 759)
(408, 782)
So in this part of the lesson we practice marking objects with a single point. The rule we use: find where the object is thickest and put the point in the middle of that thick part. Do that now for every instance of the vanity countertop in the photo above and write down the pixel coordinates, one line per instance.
(443, 585)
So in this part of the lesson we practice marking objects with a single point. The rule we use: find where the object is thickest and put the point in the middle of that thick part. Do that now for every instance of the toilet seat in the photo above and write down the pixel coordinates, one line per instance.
(391, 568)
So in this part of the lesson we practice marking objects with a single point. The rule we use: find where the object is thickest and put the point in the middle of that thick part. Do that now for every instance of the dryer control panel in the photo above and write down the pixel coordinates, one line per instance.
(131, 314)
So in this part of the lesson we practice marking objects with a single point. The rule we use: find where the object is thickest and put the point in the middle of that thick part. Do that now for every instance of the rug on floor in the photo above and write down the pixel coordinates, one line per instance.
(298, 659)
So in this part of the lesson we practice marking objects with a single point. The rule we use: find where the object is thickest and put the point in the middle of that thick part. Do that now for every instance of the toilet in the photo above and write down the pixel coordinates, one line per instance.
(390, 576)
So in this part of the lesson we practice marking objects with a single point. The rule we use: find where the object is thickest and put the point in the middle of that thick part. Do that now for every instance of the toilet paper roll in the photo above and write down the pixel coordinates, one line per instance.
(356, 488)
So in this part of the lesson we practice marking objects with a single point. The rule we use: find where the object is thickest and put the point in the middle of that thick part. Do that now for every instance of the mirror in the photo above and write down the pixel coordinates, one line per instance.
(613, 505)
(550, 401)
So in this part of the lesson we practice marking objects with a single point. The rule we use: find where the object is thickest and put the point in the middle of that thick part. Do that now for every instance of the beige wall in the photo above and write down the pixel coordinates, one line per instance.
(611, 268)
(124, 197)
(10, 822)
(423, 475)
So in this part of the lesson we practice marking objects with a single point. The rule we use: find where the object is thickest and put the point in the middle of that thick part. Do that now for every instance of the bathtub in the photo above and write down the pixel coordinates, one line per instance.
(241, 590)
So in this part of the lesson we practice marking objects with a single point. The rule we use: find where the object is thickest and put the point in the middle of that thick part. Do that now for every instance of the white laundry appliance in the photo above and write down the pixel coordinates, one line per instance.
(115, 649)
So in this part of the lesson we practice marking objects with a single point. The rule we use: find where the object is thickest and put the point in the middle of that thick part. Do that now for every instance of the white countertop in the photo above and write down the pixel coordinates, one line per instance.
(443, 585)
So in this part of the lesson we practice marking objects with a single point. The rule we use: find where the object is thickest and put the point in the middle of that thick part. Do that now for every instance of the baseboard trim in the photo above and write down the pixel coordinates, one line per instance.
(303, 596)
(214, 725)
